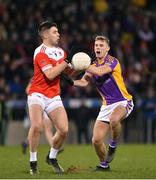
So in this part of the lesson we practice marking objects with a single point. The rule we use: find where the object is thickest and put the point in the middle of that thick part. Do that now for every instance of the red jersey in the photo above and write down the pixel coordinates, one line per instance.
(45, 58)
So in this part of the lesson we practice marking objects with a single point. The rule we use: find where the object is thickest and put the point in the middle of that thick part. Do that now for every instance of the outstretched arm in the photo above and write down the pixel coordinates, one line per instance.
(100, 71)
(84, 81)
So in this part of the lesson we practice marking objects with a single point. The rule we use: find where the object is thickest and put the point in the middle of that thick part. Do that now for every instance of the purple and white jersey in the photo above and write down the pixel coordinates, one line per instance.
(111, 86)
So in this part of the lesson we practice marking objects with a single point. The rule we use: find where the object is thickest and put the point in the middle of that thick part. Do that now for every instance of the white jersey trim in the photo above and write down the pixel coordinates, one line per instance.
(47, 67)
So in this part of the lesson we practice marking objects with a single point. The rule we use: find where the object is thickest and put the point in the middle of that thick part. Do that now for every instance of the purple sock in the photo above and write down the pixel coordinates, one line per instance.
(103, 164)
(113, 143)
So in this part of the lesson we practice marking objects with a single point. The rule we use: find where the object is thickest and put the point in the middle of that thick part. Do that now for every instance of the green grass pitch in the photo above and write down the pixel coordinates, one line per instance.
(79, 161)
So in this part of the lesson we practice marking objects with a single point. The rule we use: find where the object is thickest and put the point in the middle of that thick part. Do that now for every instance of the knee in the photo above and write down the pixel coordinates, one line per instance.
(96, 140)
(36, 128)
(64, 131)
(114, 122)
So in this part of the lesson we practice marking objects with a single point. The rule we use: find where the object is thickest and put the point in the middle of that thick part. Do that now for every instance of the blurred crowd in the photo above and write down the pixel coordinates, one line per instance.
(130, 26)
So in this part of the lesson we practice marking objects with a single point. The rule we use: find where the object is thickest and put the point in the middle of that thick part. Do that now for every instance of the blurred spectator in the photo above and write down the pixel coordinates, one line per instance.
(82, 121)
(4, 94)
(149, 109)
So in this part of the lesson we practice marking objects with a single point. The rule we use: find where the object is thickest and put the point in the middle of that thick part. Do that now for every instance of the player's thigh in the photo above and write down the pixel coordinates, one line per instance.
(35, 114)
(100, 130)
(59, 118)
(118, 114)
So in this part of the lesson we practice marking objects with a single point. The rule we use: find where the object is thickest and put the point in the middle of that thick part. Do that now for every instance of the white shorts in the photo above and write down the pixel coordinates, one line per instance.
(106, 111)
(47, 104)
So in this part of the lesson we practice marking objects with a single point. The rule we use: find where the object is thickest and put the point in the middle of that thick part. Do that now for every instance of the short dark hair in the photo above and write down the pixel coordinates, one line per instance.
(45, 25)
(102, 38)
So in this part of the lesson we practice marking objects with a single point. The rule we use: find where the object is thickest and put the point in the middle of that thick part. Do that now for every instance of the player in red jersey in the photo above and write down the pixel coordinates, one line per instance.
(44, 95)
(46, 128)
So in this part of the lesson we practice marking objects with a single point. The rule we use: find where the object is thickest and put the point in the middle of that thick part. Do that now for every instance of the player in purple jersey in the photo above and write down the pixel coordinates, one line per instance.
(117, 103)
